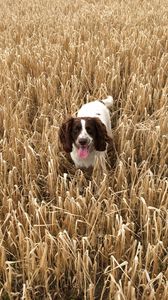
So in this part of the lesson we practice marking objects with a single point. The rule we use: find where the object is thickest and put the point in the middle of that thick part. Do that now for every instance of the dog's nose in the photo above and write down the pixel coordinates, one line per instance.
(82, 141)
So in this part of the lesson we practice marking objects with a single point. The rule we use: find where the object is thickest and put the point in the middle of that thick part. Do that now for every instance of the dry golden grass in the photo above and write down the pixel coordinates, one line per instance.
(62, 235)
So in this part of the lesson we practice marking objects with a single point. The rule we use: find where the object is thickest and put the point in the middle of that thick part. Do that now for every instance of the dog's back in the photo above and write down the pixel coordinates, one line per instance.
(99, 109)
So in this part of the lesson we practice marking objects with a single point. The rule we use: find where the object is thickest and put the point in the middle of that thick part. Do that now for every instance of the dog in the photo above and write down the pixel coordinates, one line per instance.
(87, 135)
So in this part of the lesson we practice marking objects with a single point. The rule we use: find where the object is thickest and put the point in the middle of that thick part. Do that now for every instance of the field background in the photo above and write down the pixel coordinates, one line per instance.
(62, 235)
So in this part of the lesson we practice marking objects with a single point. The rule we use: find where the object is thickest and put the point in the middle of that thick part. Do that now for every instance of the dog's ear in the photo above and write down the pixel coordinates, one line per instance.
(102, 137)
(65, 135)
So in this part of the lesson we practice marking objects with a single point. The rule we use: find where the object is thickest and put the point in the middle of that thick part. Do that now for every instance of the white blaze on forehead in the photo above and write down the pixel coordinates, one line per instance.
(83, 132)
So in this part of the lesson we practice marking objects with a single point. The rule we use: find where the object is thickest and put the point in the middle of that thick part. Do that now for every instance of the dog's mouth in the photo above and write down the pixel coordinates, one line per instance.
(83, 151)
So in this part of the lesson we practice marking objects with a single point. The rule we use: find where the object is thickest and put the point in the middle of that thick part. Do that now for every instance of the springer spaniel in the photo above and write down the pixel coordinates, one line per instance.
(86, 136)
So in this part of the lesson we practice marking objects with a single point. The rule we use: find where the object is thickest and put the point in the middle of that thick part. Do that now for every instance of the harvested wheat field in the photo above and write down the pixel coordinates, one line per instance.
(63, 234)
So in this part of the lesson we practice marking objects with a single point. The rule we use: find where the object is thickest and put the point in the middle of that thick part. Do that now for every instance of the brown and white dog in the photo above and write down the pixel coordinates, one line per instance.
(86, 136)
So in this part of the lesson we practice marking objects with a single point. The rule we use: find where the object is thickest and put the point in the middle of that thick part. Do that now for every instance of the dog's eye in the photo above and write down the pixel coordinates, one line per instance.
(76, 129)
(89, 129)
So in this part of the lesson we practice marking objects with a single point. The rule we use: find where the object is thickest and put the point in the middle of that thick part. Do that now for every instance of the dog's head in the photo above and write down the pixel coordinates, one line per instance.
(86, 134)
